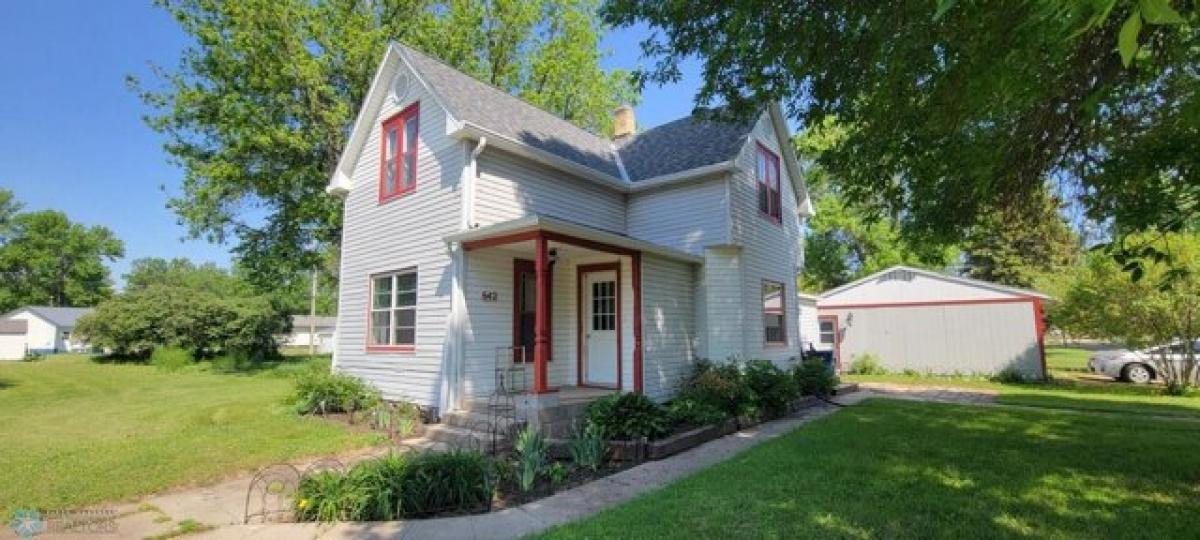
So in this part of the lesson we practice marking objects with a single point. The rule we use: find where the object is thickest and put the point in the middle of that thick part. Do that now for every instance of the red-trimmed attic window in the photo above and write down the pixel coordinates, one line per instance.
(398, 163)
(770, 202)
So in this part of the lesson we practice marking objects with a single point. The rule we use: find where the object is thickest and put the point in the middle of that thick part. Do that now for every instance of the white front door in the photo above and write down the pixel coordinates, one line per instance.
(600, 328)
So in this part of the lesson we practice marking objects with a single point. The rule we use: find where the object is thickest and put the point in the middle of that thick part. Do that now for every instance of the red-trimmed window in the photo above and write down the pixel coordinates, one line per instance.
(393, 315)
(398, 167)
(774, 323)
(770, 202)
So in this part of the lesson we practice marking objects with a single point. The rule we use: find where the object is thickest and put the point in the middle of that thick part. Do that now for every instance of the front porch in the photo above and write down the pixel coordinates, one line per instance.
(552, 318)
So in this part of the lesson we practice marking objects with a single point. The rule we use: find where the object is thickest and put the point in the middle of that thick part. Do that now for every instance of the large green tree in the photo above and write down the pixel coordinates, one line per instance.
(47, 259)
(1100, 300)
(258, 109)
(956, 108)
(1017, 246)
(843, 241)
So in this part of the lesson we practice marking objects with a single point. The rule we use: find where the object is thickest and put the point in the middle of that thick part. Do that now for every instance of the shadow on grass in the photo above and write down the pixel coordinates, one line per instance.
(282, 365)
(7, 383)
(892, 469)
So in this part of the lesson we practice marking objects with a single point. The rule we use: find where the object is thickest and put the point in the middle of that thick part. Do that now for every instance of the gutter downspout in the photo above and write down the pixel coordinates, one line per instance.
(454, 354)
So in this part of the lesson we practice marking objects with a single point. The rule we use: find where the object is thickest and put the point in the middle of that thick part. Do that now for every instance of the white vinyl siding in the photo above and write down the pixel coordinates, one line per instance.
(41, 335)
(510, 187)
(770, 250)
(403, 233)
(668, 325)
(724, 306)
(687, 217)
(979, 339)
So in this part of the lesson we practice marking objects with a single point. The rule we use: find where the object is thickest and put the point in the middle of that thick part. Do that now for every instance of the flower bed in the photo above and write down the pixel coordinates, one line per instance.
(621, 430)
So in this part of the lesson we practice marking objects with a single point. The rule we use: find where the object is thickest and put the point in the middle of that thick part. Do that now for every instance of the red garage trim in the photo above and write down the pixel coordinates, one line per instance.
(1040, 324)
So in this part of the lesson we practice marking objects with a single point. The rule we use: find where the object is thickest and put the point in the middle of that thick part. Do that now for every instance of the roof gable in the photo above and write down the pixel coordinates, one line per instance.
(64, 317)
(666, 152)
(907, 284)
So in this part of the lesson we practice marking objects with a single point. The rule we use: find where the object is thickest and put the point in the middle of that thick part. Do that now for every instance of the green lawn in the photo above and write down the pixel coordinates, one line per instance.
(1070, 387)
(78, 432)
(895, 469)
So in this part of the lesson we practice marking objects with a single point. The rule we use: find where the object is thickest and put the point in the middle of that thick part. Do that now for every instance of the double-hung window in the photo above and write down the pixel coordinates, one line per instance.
(767, 172)
(827, 331)
(398, 170)
(774, 328)
(393, 318)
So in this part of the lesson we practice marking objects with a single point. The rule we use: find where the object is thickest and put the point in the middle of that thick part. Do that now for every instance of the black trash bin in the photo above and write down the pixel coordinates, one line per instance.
(825, 356)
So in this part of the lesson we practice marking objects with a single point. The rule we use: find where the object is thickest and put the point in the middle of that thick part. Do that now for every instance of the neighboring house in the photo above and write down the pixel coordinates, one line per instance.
(930, 322)
(50, 329)
(302, 334)
(483, 235)
(12, 339)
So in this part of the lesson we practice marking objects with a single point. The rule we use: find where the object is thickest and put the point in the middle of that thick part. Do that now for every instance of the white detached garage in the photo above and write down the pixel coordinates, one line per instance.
(916, 319)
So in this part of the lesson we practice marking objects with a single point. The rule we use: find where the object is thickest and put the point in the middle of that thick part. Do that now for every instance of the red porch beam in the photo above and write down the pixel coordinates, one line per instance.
(541, 318)
(637, 321)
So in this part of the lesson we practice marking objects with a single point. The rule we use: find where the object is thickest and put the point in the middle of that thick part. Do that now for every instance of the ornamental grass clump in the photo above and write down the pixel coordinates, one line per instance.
(588, 446)
(397, 487)
(532, 455)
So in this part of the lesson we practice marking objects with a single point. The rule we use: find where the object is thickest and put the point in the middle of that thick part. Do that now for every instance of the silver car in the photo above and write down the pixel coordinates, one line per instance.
(1136, 366)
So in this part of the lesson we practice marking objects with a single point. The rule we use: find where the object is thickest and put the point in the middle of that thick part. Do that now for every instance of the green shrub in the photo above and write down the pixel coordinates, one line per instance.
(690, 411)
(774, 389)
(204, 323)
(397, 486)
(331, 496)
(588, 446)
(557, 473)
(399, 418)
(532, 454)
(319, 391)
(813, 378)
(382, 480)
(723, 386)
(454, 481)
(628, 416)
(1009, 375)
(866, 364)
(170, 358)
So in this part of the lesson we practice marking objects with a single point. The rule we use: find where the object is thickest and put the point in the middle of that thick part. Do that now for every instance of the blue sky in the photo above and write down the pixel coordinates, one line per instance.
(71, 135)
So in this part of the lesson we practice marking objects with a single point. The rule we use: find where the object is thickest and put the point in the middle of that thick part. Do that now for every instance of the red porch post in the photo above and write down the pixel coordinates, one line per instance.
(541, 318)
(637, 321)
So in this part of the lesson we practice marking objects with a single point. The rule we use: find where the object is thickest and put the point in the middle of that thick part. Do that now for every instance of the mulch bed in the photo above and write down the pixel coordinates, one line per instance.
(509, 494)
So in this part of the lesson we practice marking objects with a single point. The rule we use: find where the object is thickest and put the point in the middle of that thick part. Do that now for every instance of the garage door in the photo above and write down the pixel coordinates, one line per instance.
(12, 346)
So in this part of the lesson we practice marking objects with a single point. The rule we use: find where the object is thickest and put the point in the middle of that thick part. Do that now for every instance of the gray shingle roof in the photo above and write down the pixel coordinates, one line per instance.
(470, 100)
(677, 146)
(64, 317)
(682, 145)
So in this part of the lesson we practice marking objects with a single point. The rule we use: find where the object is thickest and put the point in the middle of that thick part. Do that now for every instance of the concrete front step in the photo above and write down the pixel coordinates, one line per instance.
(478, 421)
(461, 437)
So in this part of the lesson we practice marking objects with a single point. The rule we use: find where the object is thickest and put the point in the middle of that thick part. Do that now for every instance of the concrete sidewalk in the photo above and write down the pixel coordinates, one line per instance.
(542, 514)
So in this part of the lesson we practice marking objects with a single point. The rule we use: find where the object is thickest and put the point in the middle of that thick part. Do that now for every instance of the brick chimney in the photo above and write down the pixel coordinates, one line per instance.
(624, 124)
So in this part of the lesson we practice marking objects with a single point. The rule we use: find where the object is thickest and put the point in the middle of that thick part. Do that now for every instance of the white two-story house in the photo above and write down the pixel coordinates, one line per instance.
(489, 242)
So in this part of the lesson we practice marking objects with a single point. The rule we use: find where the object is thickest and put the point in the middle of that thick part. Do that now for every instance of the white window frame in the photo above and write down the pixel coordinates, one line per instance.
(393, 309)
